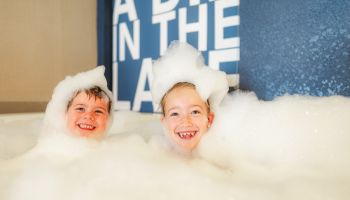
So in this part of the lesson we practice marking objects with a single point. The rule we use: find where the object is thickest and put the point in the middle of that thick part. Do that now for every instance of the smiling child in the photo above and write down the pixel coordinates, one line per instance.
(185, 115)
(188, 93)
(81, 106)
(88, 112)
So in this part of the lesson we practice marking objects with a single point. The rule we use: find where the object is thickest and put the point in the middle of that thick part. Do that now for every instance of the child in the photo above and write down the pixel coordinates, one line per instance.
(188, 93)
(81, 105)
(88, 112)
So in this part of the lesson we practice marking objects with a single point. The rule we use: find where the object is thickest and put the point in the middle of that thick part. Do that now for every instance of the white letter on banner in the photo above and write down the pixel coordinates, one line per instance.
(160, 7)
(222, 22)
(200, 26)
(225, 55)
(125, 38)
(142, 95)
(195, 2)
(163, 19)
(128, 7)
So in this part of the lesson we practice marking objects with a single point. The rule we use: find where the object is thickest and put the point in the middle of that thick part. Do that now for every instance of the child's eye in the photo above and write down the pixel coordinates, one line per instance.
(80, 109)
(195, 112)
(174, 114)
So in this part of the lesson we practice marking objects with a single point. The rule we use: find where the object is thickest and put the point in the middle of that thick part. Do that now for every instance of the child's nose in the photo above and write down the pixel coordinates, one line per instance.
(89, 115)
(187, 120)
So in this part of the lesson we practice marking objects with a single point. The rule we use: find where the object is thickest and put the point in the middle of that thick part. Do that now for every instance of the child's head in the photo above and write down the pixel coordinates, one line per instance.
(88, 112)
(81, 105)
(185, 115)
(188, 93)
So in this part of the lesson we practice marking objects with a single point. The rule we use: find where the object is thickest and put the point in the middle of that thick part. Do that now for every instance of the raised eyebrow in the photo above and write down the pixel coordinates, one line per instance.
(101, 108)
(173, 108)
(197, 106)
(79, 104)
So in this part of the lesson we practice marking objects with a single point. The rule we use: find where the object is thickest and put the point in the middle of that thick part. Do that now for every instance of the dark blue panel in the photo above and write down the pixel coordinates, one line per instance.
(295, 47)
(104, 37)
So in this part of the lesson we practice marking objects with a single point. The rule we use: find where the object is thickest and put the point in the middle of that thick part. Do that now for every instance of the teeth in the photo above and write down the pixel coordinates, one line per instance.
(86, 126)
(186, 134)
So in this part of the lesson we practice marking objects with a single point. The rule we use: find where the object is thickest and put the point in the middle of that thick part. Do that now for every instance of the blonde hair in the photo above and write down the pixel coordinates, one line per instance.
(179, 85)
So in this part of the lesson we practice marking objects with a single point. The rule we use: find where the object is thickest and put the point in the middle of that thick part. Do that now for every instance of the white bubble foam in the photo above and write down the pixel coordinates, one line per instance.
(294, 147)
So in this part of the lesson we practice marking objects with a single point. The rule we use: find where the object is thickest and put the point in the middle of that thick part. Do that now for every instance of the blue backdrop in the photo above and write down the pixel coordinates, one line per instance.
(295, 47)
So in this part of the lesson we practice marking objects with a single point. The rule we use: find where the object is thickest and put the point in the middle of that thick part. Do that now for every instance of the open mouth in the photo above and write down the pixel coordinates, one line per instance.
(86, 127)
(187, 134)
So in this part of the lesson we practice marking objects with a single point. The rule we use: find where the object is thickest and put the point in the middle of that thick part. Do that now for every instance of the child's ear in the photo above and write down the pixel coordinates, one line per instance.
(162, 118)
(211, 117)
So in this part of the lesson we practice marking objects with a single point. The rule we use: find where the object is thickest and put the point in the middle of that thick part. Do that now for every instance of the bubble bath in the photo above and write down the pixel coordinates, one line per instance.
(294, 147)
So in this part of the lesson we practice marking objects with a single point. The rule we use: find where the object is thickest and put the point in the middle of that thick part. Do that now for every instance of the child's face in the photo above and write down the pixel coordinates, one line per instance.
(186, 117)
(87, 116)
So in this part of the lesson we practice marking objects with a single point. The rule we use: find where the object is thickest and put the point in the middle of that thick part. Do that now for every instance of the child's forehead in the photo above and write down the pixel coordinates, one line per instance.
(187, 95)
(85, 97)
(184, 91)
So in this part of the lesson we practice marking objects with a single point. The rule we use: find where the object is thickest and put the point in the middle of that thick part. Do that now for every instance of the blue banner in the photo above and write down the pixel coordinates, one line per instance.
(283, 47)
(142, 31)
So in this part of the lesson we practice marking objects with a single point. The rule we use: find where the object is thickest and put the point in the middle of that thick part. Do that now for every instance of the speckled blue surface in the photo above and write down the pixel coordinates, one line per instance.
(295, 47)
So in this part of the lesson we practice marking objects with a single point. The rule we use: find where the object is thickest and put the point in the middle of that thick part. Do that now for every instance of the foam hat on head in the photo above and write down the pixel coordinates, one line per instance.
(183, 63)
(54, 119)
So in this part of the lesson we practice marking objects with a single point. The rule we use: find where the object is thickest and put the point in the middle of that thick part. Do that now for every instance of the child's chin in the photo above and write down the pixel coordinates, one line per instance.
(88, 134)
(187, 146)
